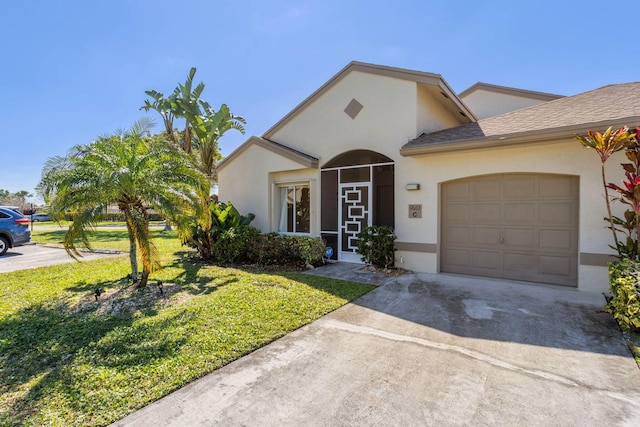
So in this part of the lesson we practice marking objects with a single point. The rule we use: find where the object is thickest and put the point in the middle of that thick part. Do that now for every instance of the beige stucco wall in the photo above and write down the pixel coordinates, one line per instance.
(562, 157)
(486, 103)
(431, 115)
(247, 182)
(388, 118)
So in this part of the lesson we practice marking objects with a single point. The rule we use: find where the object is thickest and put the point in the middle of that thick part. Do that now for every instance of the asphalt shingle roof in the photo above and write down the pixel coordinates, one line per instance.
(608, 103)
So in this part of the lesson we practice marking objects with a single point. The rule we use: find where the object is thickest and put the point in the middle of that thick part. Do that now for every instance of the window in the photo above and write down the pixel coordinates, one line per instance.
(294, 209)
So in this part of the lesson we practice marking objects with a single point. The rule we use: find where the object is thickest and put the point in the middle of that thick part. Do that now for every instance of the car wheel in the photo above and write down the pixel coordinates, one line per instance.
(4, 245)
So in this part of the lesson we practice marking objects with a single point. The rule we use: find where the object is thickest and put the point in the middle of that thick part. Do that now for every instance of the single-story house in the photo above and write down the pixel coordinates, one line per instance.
(489, 182)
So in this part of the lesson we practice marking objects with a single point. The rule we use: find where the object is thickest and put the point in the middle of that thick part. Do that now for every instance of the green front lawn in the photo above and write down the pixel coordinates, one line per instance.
(67, 359)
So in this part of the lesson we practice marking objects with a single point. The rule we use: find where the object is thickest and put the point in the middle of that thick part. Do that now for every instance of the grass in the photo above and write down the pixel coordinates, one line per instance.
(67, 359)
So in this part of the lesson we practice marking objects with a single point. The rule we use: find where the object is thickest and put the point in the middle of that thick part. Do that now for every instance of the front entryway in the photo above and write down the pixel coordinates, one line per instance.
(356, 191)
(355, 209)
(512, 226)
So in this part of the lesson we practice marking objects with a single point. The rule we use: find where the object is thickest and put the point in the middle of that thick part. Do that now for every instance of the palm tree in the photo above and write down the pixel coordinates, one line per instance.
(133, 170)
(204, 126)
(182, 98)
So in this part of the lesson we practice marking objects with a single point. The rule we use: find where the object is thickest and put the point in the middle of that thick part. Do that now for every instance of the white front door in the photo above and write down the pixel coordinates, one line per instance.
(355, 214)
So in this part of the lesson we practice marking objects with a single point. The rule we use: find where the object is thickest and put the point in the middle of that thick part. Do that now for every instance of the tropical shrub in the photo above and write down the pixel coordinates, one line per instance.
(376, 246)
(624, 280)
(221, 218)
(605, 144)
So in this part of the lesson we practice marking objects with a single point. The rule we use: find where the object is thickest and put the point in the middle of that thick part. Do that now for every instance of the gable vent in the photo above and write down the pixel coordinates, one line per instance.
(353, 108)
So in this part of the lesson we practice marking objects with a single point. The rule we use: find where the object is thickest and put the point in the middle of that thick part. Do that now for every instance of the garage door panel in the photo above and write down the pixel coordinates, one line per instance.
(456, 235)
(457, 257)
(558, 213)
(485, 236)
(556, 266)
(520, 188)
(524, 263)
(557, 186)
(485, 189)
(485, 213)
(456, 213)
(557, 239)
(513, 226)
(487, 260)
(457, 191)
(519, 213)
(519, 237)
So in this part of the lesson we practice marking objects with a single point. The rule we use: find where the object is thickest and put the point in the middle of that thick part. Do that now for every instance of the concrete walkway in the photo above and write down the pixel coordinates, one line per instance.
(427, 350)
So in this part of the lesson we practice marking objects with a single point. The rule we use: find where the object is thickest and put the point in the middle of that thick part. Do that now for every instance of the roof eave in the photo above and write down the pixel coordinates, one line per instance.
(303, 159)
(506, 140)
(541, 96)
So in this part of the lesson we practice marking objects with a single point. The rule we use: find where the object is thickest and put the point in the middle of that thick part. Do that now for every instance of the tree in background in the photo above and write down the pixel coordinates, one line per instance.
(19, 198)
(132, 169)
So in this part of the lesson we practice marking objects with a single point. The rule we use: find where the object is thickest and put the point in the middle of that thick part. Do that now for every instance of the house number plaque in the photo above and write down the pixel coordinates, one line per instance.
(415, 211)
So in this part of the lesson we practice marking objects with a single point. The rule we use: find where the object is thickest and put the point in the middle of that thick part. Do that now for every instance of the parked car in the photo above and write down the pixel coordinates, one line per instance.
(14, 229)
(13, 208)
(40, 217)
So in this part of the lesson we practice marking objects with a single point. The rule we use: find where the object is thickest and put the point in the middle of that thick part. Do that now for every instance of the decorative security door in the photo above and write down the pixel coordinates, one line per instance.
(355, 214)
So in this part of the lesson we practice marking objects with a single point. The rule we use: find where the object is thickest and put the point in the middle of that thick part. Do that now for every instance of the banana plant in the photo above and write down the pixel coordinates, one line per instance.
(226, 216)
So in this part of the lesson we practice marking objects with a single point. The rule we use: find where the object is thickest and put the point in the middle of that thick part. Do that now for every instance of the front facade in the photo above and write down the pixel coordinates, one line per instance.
(510, 196)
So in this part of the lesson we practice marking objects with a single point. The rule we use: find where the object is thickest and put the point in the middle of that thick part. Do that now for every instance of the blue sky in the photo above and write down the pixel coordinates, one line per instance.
(75, 70)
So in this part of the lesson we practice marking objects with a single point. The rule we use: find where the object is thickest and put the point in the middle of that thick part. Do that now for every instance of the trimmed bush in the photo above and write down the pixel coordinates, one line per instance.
(376, 246)
(273, 249)
(307, 250)
(237, 245)
(246, 245)
(624, 282)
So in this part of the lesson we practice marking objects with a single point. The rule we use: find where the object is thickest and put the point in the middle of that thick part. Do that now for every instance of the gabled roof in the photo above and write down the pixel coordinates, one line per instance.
(282, 150)
(523, 93)
(614, 105)
(381, 70)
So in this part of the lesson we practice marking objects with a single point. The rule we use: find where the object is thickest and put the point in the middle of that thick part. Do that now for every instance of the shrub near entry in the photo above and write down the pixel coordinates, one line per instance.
(625, 303)
(376, 245)
(245, 244)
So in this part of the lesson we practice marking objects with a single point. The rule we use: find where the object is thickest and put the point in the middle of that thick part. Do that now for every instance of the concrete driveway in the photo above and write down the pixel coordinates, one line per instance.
(427, 350)
(32, 256)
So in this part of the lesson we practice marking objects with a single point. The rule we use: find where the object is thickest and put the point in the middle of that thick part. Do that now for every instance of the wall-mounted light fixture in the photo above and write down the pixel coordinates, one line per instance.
(413, 187)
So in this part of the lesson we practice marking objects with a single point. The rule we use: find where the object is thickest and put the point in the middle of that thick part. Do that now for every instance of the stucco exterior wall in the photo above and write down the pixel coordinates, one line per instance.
(560, 157)
(431, 114)
(246, 182)
(485, 103)
(386, 121)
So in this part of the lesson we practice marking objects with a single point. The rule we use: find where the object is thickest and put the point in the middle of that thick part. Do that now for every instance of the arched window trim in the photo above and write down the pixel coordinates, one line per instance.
(362, 158)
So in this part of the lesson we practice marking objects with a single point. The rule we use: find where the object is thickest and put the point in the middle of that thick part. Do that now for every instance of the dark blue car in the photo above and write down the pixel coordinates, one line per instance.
(14, 229)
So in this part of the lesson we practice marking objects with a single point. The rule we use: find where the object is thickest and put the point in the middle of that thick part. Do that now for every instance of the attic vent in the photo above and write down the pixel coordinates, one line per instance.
(445, 95)
(463, 114)
(353, 108)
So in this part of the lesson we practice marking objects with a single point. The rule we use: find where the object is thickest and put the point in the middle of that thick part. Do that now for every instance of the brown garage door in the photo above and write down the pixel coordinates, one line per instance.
(512, 226)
